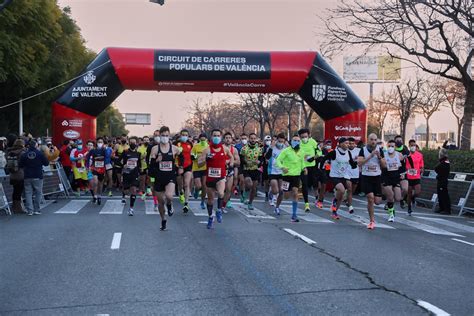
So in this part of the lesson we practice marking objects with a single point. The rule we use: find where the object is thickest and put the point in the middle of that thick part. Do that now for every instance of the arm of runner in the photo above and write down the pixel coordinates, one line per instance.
(361, 160)
(203, 157)
(236, 158)
(279, 161)
(231, 157)
(88, 159)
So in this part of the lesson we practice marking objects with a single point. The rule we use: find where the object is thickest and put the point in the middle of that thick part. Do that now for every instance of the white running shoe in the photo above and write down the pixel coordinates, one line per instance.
(391, 218)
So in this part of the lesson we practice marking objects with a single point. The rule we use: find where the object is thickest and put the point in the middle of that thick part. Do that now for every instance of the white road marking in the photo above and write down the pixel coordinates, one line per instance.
(435, 310)
(426, 228)
(116, 241)
(255, 213)
(72, 207)
(449, 223)
(361, 219)
(202, 222)
(195, 207)
(150, 208)
(308, 217)
(463, 241)
(114, 207)
(298, 235)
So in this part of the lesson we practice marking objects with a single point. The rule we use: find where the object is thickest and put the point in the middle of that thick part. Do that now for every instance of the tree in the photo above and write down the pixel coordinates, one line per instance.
(379, 110)
(405, 105)
(434, 35)
(111, 123)
(259, 107)
(430, 100)
(455, 95)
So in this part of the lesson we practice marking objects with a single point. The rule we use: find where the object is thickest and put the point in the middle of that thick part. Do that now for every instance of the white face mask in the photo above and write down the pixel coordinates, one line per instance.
(100, 145)
(156, 139)
(327, 147)
(244, 141)
(412, 149)
(391, 150)
(268, 142)
(304, 139)
(164, 139)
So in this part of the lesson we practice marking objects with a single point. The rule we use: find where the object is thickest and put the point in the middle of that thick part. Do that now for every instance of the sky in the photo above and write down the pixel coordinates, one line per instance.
(256, 25)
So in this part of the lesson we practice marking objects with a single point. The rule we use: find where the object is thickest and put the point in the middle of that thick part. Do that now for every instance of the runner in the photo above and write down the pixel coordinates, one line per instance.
(241, 182)
(199, 172)
(131, 162)
(341, 163)
(164, 156)
(415, 167)
(320, 174)
(308, 148)
(151, 167)
(267, 142)
(185, 170)
(95, 161)
(402, 149)
(232, 173)
(391, 178)
(109, 167)
(142, 150)
(371, 161)
(251, 156)
(354, 174)
(291, 162)
(119, 148)
(274, 172)
(215, 158)
(79, 170)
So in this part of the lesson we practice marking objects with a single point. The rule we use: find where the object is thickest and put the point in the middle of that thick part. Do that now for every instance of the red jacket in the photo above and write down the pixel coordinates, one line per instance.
(64, 153)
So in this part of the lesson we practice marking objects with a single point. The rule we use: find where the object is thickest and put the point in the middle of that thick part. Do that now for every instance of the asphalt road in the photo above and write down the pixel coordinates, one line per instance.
(62, 263)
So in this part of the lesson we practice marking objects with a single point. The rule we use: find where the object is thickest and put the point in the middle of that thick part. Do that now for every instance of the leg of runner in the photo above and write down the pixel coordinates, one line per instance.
(370, 209)
(210, 206)
(161, 207)
(169, 192)
(93, 184)
(110, 181)
(133, 197)
(187, 177)
(409, 199)
(389, 194)
(404, 189)
(143, 185)
(180, 182)
(247, 188)
(220, 188)
(336, 203)
(279, 199)
(294, 204)
(275, 189)
(242, 186)
(229, 186)
(100, 187)
(349, 190)
(253, 192)
(305, 189)
(203, 192)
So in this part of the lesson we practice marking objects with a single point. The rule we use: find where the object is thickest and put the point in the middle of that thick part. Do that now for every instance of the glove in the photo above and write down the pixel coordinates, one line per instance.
(209, 156)
(193, 156)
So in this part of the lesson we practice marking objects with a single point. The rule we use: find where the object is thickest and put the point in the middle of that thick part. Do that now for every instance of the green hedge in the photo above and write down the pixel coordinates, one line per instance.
(460, 160)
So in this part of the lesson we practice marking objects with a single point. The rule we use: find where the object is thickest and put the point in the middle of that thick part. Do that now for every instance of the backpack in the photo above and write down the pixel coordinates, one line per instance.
(12, 163)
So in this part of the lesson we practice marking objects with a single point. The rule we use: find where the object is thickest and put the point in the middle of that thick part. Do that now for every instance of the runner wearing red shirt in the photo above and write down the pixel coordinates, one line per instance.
(185, 168)
(415, 167)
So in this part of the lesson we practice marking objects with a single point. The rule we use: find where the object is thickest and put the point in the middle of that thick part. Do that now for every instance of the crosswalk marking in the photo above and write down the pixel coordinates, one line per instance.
(448, 223)
(308, 217)
(195, 207)
(72, 207)
(361, 219)
(426, 228)
(150, 208)
(255, 213)
(114, 207)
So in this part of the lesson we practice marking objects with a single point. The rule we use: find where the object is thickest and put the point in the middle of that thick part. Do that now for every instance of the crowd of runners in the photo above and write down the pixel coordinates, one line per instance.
(213, 168)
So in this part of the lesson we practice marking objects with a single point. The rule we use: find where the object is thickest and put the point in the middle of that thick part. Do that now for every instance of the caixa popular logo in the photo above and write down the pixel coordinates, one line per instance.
(71, 134)
(65, 123)
(89, 77)
(319, 91)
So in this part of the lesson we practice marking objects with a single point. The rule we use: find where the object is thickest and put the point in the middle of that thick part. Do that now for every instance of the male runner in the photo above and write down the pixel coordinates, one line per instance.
(308, 148)
(108, 166)
(371, 161)
(119, 148)
(152, 167)
(251, 157)
(320, 174)
(402, 149)
(131, 162)
(185, 168)
(391, 178)
(199, 172)
(95, 161)
(79, 170)
(415, 167)
(164, 156)
(142, 150)
(291, 162)
(354, 174)
(267, 142)
(232, 173)
(241, 182)
(215, 158)
(274, 172)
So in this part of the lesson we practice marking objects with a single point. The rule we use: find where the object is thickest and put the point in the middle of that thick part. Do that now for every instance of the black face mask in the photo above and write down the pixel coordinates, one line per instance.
(398, 143)
(123, 142)
(252, 144)
(133, 146)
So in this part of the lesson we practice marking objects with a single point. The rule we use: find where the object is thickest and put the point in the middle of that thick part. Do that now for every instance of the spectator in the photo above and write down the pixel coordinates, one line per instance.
(64, 157)
(16, 173)
(32, 163)
(50, 151)
(3, 160)
(442, 171)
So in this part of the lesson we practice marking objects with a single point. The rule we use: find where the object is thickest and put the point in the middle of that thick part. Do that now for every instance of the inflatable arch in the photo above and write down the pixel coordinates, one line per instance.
(116, 69)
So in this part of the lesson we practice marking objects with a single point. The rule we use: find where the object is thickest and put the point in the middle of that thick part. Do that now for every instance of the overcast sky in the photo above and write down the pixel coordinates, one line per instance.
(260, 25)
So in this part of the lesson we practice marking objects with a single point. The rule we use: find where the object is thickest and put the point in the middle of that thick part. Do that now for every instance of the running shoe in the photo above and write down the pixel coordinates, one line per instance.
(148, 192)
(196, 194)
(295, 220)
(319, 205)
(266, 198)
(203, 205)
(351, 209)
(334, 215)
(409, 211)
(78, 194)
(391, 218)
(185, 209)
(182, 198)
(371, 225)
(333, 206)
(229, 205)
(306, 207)
(110, 194)
(94, 200)
(38, 212)
(156, 208)
(219, 216)
(277, 211)
(143, 197)
(99, 200)
(130, 212)
(170, 211)
(402, 204)
(272, 202)
(163, 225)
(30, 214)
(209, 222)
(123, 201)
(250, 207)
(385, 207)
(236, 192)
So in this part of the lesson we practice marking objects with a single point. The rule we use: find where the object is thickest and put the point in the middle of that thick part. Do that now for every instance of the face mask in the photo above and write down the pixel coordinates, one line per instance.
(133, 146)
(79, 147)
(184, 139)
(268, 142)
(216, 140)
(295, 144)
(164, 139)
(391, 150)
(146, 142)
(100, 145)
(39, 142)
(327, 147)
(156, 139)
(244, 141)
(279, 145)
(124, 142)
(305, 140)
(413, 149)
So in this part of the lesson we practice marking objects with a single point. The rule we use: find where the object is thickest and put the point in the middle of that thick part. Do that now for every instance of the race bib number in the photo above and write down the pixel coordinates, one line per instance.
(131, 164)
(215, 172)
(285, 185)
(99, 164)
(166, 166)
(392, 166)
(81, 170)
(108, 166)
(412, 172)
(371, 168)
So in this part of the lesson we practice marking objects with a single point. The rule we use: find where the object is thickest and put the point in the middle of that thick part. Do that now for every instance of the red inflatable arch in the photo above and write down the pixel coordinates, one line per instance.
(116, 69)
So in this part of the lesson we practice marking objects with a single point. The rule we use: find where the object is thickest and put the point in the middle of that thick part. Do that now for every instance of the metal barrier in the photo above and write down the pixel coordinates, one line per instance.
(4, 205)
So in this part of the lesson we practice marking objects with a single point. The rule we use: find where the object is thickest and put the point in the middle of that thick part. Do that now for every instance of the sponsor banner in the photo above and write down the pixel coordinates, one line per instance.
(372, 68)
(350, 125)
(178, 66)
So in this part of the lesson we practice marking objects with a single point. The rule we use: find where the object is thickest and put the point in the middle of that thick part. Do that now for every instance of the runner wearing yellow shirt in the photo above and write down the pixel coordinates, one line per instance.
(199, 173)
